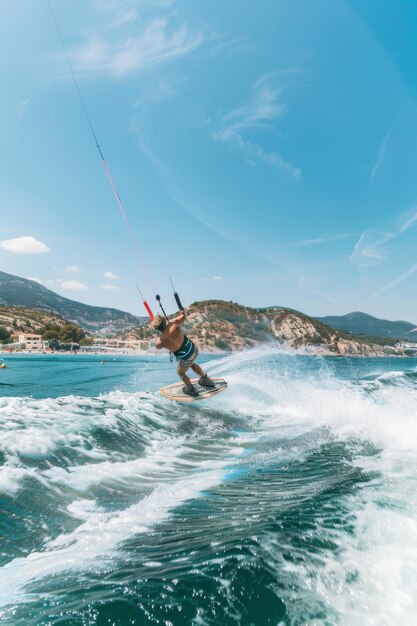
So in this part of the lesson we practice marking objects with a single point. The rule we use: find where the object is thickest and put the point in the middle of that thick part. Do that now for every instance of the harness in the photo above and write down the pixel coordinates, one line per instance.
(186, 349)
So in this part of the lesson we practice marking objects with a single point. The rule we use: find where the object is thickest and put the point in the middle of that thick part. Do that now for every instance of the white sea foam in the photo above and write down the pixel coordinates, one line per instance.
(34, 428)
(100, 535)
(372, 580)
(281, 396)
(172, 477)
(372, 577)
(161, 459)
(11, 478)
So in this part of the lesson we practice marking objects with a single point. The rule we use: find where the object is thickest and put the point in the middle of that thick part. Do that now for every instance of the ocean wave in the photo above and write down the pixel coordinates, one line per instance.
(300, 469)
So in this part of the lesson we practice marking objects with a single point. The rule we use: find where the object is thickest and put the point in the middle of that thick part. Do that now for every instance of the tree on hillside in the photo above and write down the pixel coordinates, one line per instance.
(4, 335)
(54, 344)
(71, 333)
(50, 334)
(64, 333)
(49, 326)
(87, 341)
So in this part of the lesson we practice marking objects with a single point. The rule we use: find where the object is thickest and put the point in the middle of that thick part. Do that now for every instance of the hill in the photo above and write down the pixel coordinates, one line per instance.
(22, 319)
(364, 324)
(52, 327)
(22, 292)
(218, 325)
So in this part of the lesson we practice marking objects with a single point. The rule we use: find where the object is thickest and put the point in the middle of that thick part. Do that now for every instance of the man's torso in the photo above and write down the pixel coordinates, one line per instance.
(172, 338)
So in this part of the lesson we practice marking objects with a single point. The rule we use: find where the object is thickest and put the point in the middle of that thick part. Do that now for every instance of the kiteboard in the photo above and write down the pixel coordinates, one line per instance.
(175, 392)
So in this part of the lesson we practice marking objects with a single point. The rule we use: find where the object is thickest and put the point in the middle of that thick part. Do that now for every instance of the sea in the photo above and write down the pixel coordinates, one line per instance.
(290, 499)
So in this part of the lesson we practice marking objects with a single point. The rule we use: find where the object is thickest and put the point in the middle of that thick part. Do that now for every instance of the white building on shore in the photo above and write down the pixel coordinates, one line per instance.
(30, 341)
(104, 344)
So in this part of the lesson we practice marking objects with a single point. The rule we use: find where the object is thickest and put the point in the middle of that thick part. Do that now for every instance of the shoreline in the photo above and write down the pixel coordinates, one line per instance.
(158, 354)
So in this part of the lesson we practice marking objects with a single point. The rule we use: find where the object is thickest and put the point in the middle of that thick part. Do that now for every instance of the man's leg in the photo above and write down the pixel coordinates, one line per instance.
(198, 370)
(185, 378)
(204, 379)
(189, 385)
(182, 374)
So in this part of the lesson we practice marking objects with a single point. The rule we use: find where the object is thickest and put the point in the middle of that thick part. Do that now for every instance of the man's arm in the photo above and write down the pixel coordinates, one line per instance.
(178, 321)
(158, 344)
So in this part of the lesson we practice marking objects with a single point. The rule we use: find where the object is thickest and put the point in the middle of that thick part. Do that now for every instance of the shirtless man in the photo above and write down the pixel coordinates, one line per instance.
(185, 351)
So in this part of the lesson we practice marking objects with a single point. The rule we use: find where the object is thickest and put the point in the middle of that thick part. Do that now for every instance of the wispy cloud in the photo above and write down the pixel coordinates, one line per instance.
(372, 245)
(408, 220)
(313, 242)
(155, 44)
(111, 276)
(123, 18)
(381, 153)
(24, 245)
(409, 272)
(111, 5)
(200, 215)
(108, 286)
(370, 249)
(21, 107)
(72, 269)
(263, 108)
(310, 287)
(210, 279)
(73, 285)
(230, 44)
(157, 92)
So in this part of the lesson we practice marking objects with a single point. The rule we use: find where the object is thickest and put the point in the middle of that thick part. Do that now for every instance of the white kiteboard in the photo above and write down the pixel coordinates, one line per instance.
(175, 392)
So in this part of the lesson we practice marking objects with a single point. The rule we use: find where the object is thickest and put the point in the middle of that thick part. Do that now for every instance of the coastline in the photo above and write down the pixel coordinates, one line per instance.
(289, 351)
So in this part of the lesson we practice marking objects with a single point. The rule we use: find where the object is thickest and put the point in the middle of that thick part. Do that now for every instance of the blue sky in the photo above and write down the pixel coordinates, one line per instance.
(265, 152)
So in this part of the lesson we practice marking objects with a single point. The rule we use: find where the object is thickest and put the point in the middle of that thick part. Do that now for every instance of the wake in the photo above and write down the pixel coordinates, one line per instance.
(154, 456)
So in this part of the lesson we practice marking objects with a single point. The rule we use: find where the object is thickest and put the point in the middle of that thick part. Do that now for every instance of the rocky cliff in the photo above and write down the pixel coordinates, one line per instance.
(217, 325)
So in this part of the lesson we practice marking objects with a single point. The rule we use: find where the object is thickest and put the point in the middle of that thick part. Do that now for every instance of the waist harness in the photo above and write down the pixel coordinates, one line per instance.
(186, 349)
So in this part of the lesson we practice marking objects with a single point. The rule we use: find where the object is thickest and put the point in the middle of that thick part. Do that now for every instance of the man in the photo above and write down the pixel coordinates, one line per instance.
(185, 351)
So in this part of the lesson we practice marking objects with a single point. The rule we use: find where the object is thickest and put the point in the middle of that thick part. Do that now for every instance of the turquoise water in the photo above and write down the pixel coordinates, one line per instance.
(288, 500)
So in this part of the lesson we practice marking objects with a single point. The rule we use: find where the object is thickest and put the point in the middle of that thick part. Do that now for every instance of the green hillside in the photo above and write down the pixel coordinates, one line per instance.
(21, 292)
(15, 320)
(364, 324)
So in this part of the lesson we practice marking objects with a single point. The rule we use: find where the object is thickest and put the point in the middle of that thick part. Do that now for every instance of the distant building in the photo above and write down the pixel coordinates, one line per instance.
(102, 343)
(407, 345)
(30, 340)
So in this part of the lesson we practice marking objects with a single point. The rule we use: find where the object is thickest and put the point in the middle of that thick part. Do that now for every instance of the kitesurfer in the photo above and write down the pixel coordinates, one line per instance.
(185, 351)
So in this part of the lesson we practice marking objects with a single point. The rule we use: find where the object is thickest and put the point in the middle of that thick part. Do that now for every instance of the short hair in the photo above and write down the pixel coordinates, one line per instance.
(158, 322)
